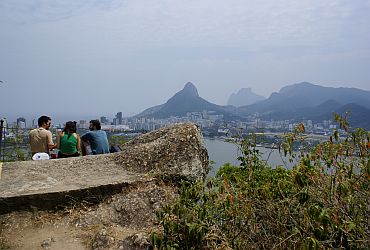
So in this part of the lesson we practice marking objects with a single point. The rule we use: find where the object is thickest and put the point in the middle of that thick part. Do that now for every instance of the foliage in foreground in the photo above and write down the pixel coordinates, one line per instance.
(322, 203)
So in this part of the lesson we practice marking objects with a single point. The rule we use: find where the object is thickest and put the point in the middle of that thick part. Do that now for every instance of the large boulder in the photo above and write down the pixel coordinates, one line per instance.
(98, 202)
(174, 152)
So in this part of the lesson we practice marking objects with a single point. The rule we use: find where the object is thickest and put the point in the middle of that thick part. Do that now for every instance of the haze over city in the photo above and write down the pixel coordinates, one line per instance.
(90, 58)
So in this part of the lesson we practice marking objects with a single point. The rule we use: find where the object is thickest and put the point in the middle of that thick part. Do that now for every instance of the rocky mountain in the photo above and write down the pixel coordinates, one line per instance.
(300, 114)
(243, 97)
(184, 101)
(302, 101)
(294, 97)
(359, 115)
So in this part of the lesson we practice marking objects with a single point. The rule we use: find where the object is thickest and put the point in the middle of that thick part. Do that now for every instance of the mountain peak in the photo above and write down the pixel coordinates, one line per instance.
(244, 96)
(298, 86)
(244, 90)
(190, 89)
(185, 101)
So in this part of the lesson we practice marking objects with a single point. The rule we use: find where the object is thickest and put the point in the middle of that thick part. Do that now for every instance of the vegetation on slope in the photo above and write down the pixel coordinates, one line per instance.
(322, 203)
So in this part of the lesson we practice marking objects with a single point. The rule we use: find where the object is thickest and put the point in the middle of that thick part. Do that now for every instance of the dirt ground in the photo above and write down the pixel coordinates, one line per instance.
(122, 221)
(33, 234)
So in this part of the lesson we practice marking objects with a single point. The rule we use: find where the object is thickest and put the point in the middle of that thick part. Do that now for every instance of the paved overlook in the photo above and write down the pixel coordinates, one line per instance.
(171, 151)
(121, 190)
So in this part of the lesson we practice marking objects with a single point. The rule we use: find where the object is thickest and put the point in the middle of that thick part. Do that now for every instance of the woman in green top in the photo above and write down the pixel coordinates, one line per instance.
(68, 141)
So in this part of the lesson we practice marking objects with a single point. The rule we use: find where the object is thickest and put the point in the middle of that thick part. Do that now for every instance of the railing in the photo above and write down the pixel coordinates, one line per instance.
(14, 144)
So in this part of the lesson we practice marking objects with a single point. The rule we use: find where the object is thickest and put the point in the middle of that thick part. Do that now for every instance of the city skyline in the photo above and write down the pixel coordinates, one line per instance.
(116, 117)
(91, 58)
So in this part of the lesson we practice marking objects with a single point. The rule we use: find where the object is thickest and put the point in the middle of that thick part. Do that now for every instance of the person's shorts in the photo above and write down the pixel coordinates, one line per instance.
(61, 155)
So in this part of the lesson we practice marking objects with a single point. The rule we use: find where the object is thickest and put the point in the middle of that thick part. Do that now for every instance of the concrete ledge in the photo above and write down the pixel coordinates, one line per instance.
(59, 200)
(176, 150)
(56, 183)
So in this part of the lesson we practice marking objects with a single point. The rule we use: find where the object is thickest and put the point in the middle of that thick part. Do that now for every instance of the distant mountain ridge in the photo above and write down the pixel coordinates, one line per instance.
(243, 97)
(302, 95)
(313, 102)
(359, 116)
(294, 102)
(185, 101)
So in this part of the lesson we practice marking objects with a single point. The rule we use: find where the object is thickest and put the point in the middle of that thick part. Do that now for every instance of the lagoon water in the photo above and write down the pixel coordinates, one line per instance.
(221, 152)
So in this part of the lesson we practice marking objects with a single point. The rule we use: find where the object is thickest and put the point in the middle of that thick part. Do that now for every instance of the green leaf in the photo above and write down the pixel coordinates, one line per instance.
(336, 135)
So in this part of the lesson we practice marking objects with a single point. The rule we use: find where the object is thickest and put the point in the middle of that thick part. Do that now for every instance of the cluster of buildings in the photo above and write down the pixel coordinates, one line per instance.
(209, 121)
(212, 122)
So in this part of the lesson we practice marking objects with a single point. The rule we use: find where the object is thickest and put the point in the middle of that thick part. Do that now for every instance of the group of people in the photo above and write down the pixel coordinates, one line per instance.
(69, 143)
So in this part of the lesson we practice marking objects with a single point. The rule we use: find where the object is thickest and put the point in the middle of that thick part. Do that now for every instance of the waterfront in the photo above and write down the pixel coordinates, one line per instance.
(221, 152)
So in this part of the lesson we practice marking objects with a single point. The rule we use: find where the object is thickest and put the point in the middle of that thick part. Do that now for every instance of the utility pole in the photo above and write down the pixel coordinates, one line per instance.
(1, 135)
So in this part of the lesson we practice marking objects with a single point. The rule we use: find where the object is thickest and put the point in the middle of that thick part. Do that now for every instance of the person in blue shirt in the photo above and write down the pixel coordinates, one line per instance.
(96, 139)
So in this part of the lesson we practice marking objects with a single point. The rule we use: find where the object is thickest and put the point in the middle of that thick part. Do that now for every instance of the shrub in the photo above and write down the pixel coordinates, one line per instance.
(323, 202)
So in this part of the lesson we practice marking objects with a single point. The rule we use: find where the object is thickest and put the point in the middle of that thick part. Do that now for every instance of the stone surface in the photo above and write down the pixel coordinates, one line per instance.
(120, 221)
(106, 201)
(171, 151)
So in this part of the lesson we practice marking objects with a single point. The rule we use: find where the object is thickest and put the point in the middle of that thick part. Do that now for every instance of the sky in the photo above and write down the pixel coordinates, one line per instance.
(78, 58)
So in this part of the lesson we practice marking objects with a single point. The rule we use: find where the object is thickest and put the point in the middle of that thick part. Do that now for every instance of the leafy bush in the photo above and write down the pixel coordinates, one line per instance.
(322, 203)
(16, 148)
(117, 140)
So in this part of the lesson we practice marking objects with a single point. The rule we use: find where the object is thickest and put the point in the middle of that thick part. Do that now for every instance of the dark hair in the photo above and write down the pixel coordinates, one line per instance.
(96, 124)
(43, 119)
(70, 128)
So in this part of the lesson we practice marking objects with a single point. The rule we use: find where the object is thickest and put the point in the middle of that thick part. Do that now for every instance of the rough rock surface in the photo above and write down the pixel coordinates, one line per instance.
(172, 152)
(118, 219)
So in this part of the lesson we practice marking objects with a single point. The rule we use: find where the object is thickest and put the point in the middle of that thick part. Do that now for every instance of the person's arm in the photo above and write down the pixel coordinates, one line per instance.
(86, 137)
(58, 139)
(30, 140)
(85, 142)
(78, 143)
(50, 142)
(106, 142)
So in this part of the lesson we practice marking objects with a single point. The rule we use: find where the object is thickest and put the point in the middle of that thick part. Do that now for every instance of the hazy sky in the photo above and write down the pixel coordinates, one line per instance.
(78, 57)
